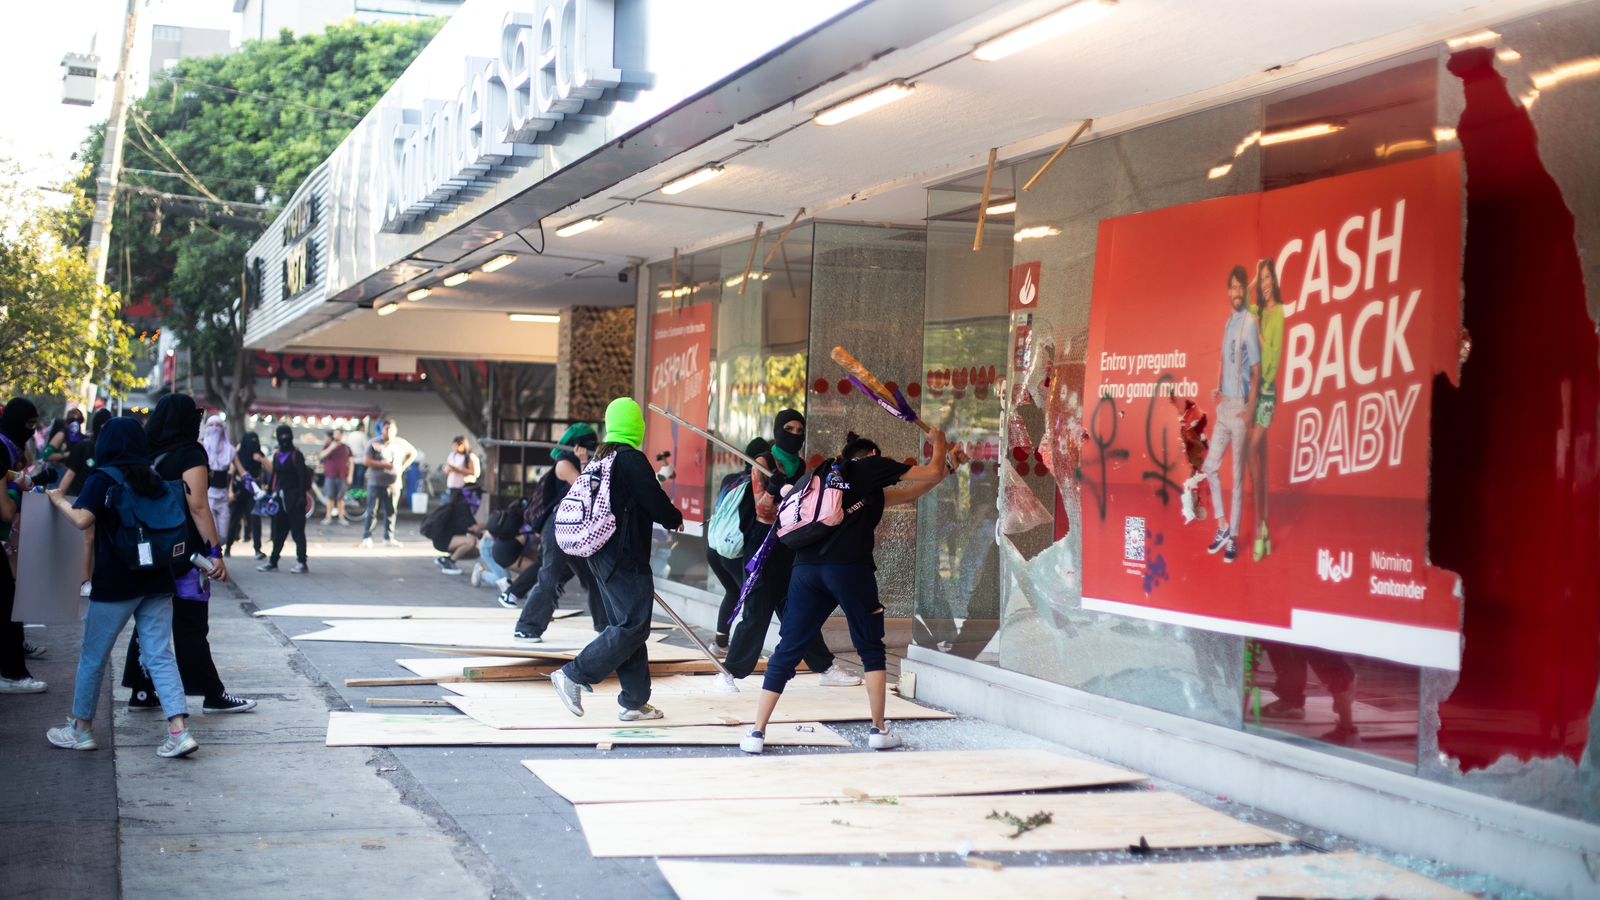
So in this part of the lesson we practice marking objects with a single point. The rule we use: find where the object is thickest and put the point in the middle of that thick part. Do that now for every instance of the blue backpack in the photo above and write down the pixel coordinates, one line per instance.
(151, 532)
(723, 534)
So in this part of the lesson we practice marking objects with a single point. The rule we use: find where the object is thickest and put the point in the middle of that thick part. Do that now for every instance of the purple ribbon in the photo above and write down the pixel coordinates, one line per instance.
(900, 408)
(18, 461)
(753, 572)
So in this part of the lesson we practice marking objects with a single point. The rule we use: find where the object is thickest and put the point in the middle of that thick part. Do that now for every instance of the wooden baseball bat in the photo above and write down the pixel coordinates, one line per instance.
(864, 375)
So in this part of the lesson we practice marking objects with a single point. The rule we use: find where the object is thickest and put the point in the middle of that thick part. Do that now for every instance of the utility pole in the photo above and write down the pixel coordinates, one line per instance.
(110, 173)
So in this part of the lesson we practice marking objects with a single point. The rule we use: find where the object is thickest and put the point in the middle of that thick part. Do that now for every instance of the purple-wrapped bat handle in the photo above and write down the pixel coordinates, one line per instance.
(900, 408)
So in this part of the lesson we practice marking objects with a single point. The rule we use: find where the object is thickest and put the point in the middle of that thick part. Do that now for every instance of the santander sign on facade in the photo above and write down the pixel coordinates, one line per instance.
(551, 62)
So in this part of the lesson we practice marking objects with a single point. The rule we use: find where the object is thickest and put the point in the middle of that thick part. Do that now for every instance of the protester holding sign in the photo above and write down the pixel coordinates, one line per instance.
(14, 675)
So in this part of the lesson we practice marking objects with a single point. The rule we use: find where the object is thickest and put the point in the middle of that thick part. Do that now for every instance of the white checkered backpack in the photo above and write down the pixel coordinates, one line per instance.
(583, 520)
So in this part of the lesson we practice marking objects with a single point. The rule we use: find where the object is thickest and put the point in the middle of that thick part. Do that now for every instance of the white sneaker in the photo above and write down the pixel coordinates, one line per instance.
(504, 584)
(753, 741)
(723, 683)
(883, 740)
(391, 542)
(366, 543)
(476, 578)
(34, 651)
(839, 676)
(176, 745)
(71, 737)
(570, 692)
(83, 589)
(21, 686)
(644, 712)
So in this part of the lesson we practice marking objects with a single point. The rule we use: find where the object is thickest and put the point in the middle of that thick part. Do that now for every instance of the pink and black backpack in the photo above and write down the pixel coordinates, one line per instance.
(812, 511)
(583, 519)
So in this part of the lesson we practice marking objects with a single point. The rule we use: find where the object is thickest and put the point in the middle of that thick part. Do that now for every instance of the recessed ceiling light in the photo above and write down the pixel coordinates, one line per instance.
(697, 177)
(1216, 172)
(882, 95)
(1037, 231)
(1578, 68)
(1068, 18)
(389, 310)
(540, 318)
(1002, 208)
(457, 278)
(1475, 39)
(420, 294)
(579, 227)
(499, 262)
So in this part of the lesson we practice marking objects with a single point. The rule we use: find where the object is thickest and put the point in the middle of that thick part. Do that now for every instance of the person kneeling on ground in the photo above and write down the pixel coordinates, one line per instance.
(839, 572)
(621, 569)
(119, 592)
(455, 529)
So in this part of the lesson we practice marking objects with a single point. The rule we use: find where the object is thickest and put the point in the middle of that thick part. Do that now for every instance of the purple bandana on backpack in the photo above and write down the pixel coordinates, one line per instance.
(753, 573)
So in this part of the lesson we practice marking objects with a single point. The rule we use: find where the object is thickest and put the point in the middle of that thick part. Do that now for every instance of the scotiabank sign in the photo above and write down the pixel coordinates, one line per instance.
(552, 61)
(323, 367)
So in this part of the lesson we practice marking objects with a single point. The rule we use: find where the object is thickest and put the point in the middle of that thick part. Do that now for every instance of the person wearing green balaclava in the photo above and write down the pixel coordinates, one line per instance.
(620, 568)
(543, 585)
(767, 597)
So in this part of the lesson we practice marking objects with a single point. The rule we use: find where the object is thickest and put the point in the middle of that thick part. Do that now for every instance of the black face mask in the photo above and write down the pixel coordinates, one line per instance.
(285, 442)
(791, 443)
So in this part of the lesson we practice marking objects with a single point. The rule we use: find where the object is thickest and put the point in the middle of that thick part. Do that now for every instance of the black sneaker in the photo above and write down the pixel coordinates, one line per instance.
(448, 566)
(260, 555)
(267, 567)
(227, 703)
(1220, 541)
(299, 568)
(144, 700)
(509, 600)
(1232, 553)
(527, 636)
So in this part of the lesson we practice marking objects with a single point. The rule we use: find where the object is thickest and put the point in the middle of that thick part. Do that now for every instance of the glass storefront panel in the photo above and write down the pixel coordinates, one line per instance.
(1516, 721)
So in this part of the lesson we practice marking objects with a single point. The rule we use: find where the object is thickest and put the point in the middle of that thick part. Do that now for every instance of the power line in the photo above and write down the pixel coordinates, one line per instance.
(266, 98)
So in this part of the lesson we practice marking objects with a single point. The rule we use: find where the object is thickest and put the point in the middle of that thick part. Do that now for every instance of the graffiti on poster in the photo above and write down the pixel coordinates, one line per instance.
(1267, 363)
(680, 372)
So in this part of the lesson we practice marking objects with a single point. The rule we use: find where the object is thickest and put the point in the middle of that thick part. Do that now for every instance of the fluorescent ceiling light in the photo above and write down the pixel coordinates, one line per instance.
(457, 278)
(1316, 129)
(540, 318)
(499, 262)
(697, 177)
(1246, 143)
(389, 310)
(1443, 135)
(1037, 231)
(420, 294)
(1578, 68)
(1068, 18)
(1508, 55)
(1216, 172)
(882, 95)
(579, 227)
(1001, 209)
(1475, 39)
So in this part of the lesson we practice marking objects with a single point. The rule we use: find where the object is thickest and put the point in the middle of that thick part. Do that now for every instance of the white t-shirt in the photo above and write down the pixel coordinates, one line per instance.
(456, 480)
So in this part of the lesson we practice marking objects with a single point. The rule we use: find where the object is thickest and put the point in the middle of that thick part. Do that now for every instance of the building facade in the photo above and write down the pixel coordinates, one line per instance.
(1156, 273)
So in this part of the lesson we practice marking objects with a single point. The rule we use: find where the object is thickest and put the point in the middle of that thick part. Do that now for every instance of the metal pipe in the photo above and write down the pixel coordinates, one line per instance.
(684, 627)
(714, 439)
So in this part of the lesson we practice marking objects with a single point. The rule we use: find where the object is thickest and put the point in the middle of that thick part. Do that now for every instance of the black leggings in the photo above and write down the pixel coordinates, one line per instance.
(289, 522)
(191, 623)
(13, 659)
(730, 574)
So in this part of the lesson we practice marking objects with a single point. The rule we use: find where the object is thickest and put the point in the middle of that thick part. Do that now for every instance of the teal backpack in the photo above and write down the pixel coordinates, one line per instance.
(723, 534)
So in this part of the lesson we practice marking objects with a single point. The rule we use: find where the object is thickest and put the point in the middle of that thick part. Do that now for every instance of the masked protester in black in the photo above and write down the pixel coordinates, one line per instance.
(173, 431)
(290, 479)
(245, 524)
(767, 596)
(14, 675)
(730, 572)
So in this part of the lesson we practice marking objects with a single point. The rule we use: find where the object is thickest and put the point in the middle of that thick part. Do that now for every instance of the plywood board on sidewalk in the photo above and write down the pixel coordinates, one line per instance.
(659, 651)
(353, 729)
(1308, 875)
(452, 666)
(560, 636)
(536, 669)
(376, 611)
(1098, 821)
(830, 776)
(819, 705)
(660, 685)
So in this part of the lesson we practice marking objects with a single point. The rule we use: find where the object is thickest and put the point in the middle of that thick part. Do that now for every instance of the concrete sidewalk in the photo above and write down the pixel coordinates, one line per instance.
(265, 809)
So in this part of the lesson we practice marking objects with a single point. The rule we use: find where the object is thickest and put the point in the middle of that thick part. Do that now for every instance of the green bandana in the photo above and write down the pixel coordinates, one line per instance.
(786, 461)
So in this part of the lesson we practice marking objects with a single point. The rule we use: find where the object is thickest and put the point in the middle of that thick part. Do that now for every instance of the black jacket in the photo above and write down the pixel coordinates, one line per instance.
(637, 500)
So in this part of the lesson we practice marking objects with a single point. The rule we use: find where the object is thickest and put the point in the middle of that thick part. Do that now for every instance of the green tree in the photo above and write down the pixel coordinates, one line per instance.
(48, 297)
(213, 151)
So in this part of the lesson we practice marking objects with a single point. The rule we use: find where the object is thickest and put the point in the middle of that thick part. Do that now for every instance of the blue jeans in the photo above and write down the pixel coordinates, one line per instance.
(106, 619)
(486, 556)
(814, 591)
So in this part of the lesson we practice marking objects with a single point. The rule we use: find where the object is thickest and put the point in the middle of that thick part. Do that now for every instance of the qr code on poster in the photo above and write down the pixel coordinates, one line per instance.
(1133, 539)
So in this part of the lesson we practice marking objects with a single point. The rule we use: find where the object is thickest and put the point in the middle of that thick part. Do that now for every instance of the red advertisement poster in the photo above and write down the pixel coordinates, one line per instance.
(680, 372)
(1256, 460)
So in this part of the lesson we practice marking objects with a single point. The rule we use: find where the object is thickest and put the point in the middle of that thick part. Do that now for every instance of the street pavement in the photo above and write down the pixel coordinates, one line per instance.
(265, 809)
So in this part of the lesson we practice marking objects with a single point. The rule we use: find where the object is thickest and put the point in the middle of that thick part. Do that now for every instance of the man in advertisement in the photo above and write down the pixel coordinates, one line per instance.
(1234, 396)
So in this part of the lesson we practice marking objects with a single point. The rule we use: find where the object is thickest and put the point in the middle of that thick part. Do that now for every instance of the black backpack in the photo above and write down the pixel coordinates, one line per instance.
(538, 510)
(435, 522)
(506, 524)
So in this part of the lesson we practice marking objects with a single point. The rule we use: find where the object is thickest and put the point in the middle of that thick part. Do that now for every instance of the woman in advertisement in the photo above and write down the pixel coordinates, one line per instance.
(1267, 306)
